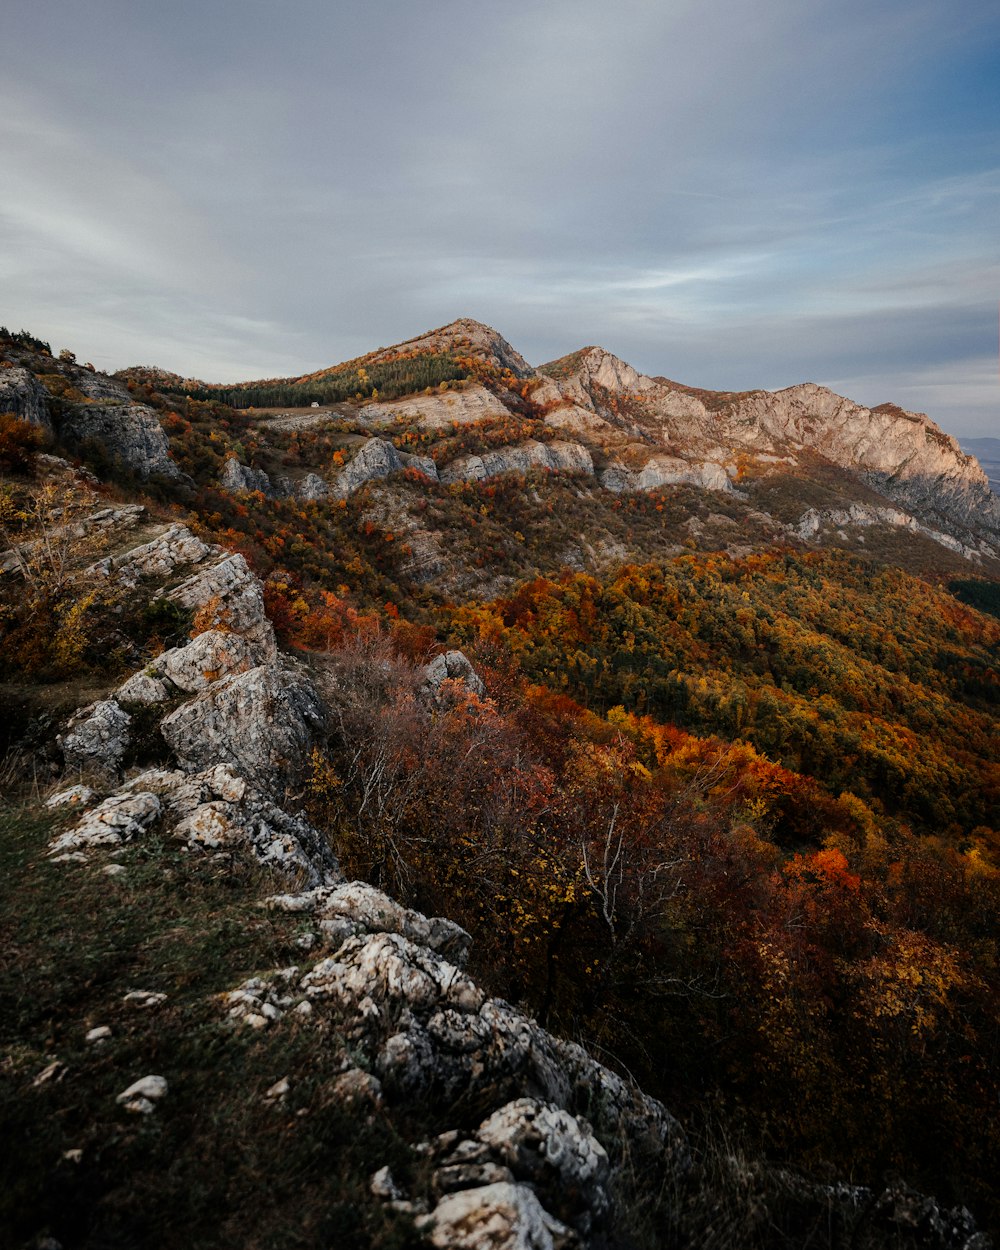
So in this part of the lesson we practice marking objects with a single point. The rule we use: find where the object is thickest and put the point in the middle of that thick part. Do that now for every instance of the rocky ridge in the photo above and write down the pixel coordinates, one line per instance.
(554, 1130)
(390, 977)
(84, 406)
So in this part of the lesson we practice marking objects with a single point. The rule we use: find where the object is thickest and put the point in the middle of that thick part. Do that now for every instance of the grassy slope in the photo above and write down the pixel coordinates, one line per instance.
(215, 1165)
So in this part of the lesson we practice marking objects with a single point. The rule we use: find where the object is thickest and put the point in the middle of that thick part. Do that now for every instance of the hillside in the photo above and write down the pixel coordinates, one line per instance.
(409, 800)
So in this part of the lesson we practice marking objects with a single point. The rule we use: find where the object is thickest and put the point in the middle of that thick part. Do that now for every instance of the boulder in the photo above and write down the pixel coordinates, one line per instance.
(262, 722)
(557, 1152)
(236, 597)
(501, 1216)
(96, 738)
(241, 478)
(451, 666)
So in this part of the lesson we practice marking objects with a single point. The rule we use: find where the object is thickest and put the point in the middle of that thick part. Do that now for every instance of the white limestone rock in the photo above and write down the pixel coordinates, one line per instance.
(142, 1096)
(557, 1152)
(236, 596)
(206, 659)
(262, 722)
(554, 456)
(216, 809)
(159, 557)
(452, 666)
(663, 470)
(114, 822)
(497, 1217)
(74, 796)
(376, 459)
(344, 911)
(143, 1000)
(97, 738)
(313, 487)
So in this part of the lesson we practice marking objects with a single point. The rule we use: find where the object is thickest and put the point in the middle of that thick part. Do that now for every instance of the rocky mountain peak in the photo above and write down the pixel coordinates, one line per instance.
(465, 336)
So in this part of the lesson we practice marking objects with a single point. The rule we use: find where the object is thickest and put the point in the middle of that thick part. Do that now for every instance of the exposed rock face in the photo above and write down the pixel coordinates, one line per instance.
(242, 478)
(129, 431)
(861, 516)
(97, 738)
(235, 597)
(452, 666)
(903, 455)
(312, 487)
(159, 557)
(206, 659)
(665, 471)
(377, 459)
(22, 394)
(555, 456)
(436, 411)
(262, 722)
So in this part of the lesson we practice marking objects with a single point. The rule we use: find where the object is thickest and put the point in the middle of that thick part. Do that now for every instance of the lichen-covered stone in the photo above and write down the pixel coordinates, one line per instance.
(235, 596)
(262, 721)
(97, 738)
(117, 820)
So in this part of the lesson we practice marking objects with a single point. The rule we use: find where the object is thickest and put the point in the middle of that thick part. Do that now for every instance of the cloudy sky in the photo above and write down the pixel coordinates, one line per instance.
(734, 194)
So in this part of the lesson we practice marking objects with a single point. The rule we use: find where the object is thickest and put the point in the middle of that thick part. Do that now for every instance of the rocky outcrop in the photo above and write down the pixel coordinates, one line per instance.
(356, 908)
(312, 487)
(553, 1123)
(263, 722)
(241, 478)
(438, 410)
(861, 516)
(451, 666)
(100, 521)
(22, 394)
(158, 558)
(502, 1215)
(665, 471)
(903, 455)
(229, 597)
(377, 459)
(214, 810)
(205, 659)
(553, 457)
(130, 432)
